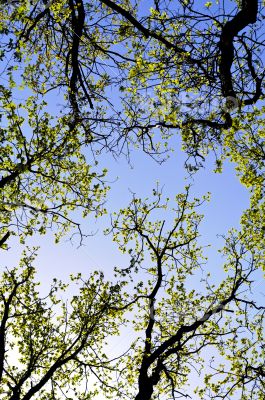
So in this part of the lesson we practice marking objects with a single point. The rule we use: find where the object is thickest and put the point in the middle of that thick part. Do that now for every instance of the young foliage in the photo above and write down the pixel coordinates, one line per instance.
(49, 347)
(178, 325)
(46, 174)
(130, 74)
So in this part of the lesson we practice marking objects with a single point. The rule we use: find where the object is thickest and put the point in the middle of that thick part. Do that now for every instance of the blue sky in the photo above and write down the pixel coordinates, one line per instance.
(228, 200)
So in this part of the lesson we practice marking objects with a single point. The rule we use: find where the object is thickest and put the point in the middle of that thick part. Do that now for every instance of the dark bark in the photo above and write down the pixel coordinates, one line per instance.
(147, 383)
(8, 179)
(145, 389)
(4, 238)
(78, 22)
(5, 316)
(26, 33)
(247, 15)
(19, 169)
(148, 33)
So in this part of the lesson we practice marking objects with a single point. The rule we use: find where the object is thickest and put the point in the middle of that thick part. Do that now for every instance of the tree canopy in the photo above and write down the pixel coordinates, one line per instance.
(56, 354)
(130, 75)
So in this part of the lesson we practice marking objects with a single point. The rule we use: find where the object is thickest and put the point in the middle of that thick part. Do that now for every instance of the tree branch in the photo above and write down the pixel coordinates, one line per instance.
(247, 15)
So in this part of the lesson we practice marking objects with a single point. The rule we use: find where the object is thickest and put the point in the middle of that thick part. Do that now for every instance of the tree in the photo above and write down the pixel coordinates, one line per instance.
(57, 353)
(45, 173)
(49, 347)
(169, 50)
(180, 325)
(152, 60)
(126, 76)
